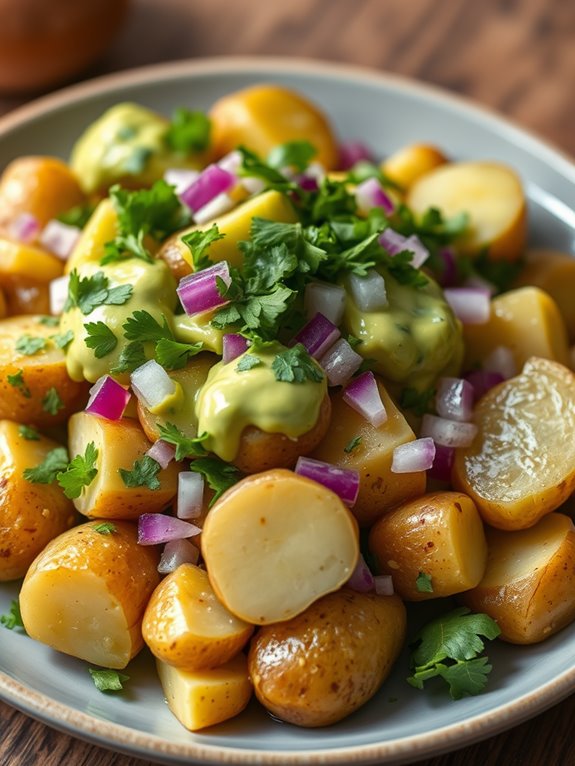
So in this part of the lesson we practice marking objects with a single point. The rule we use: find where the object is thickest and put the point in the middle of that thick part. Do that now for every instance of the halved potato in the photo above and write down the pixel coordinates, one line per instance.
(119, 443)
(438, 536)
(490, 193)
(274, 543)
(409, 163)
(186, 626)
(521, 464)
(529, 583)
(85, 594)
(19, 260)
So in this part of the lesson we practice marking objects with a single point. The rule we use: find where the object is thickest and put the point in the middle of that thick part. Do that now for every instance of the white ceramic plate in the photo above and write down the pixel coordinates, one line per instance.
(400, 724)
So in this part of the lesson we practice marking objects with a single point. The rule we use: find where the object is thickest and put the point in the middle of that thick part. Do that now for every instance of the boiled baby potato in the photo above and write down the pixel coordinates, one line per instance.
(186, 626)
(379, 488)
(320, 666)
(433, 546)
(263, 116)
(19, 260)
(521, 464)
(409, 163)
(26, 296)
(529, 583)
(85, 594)
(120, 443)
(527, 321)
(290, 535)
(202, 698)
(3, 306)
(34, 384)
(101, 227)
(30, 514)
(492, 196)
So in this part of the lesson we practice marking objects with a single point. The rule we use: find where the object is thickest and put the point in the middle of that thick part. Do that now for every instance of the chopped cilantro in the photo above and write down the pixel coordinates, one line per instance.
(29, 433)
(419, 402)
(30, 345)
(254, 166)
(219, 475)
(353, 341)
(295, 365)
(173, 355)
(49, 321)
(500, 273)
(14, 617)
(188, 132)
(292, 154)
(100, 338)
(186, 446)
(87, 293)
(17, 381)
(62, 340)
(247, 362)
(105, 528)
(363, 170)
(79, 473)
(137, 160)
(133, 355)
(77, 216)
(45, 473)
(108, 680)
(144, 473)
(141, 326)
(198, 242)
(352, 445)
(449, 647)
(423, 583)
(52, 403)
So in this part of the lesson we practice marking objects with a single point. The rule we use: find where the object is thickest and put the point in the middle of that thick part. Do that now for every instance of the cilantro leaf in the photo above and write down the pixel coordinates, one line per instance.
(198, 242)
(29, 433)
(17, 381)
(144, 473)
(399, 266)
(77, 216)
(500, 273)
(248, 362)
(295, 365)
(219, 475)
(63, 339)
(423, 583)
(87, 293)
(52, 403)
(100, 338)
(188, 132)
(30, 345)
(186, 446)
(79, 473)
(133, 355)
(353, 444)
(45, 473)
(292, 154)
(49, 321)
(105, 528)
(14, 617)
(173, 355)
(254, 166)
(108, 680)
(141, 326)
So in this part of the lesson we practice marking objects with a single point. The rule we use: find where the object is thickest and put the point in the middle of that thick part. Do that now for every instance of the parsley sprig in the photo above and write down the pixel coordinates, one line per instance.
(79, 473)
(87, 293)
(141, 328)
(219, 475)
(144, 473)
(13, 619)
(186, 446)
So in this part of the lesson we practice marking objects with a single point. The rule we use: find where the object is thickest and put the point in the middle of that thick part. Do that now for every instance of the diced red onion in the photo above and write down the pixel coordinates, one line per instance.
(325, 299)
(152, 384)
(312, 177)
(317, 336)
(190, 495)
(449, 274)
(181, 178)
(369, 293)
(483, 381)
(156, 528)
(199, 292)
(470, 304)
(361, 579)
(352, 152)
(340, 362)
(162, 452)
(60, 238)
(449, 433)
(369, 194)
(307, 183)
(454, 399)
(25, 227)
(396, 243)
(442, 463)
(502, 361)
(58, 294)
(420, 252)
(108, 399)
(392, 241)
(176, 553)
(417, 455)
(383, 585)
(231, 162)
(210, 183)
(214, 208)
(234, 345)
(343, 481)
(362, 395)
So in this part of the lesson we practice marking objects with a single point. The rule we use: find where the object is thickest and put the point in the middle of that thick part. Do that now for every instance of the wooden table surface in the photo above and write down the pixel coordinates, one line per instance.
(516, 56)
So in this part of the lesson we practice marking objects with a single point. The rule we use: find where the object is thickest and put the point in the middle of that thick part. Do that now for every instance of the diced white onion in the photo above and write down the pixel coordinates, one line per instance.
(152, 384)
(340, 362)
(322, 298)
(413, 456)
(190, 495)
(449, 433)
(383, 585)
(162, 452)
(215, 207)
(501, 360)
(252, 184)
(180, 178)
(59, 238)
(368, 292)
(454, 399)
(58, 294)
(176, 553)
(472, 305)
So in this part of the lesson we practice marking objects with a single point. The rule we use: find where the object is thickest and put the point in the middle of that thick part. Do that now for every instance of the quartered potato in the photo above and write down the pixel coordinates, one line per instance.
(30, 514)
(320, 666)
(490, 193)
(438, 537)
(274, 543)
(86, 593)
(521, 464)
(529, 583)
(409, 163)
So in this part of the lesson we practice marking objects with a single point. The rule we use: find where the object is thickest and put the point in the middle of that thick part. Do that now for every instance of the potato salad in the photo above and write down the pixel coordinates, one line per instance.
(262, 389)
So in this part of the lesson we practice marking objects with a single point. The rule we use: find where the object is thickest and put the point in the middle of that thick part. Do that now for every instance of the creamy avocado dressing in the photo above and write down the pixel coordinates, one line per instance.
(412, 341)
(197, 329)
(231, 400)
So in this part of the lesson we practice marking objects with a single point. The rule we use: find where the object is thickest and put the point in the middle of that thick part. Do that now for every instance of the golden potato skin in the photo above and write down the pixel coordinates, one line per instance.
(26, 296)
(411, 162)
(320, 666)
(30, 514)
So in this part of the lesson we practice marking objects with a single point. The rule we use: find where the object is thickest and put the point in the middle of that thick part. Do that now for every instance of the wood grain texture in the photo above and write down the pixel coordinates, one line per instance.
(516, 56)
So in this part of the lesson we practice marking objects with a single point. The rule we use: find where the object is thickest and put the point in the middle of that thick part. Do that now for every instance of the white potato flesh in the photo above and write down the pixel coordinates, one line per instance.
(275, 543)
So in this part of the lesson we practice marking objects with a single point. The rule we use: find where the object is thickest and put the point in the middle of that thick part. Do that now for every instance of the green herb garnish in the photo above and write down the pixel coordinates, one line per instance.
(219, 475)
(79, 473)
(52, 403)
(144, 473)
(45, 473)
(17, 381)
(100, 338)
(108, 680)
(423, 583)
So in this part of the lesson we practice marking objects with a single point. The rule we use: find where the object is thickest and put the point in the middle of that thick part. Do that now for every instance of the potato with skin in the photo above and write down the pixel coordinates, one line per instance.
(408, 164)
(379, 489)
(325, 663)
(203, 698)
(489, 192)
(186, 626)
(274, 543)
(529, 583)
(86, 593)
(439, 535)
(101, 227)
(119, 443)
(27, 296)
(521, 464)
(30, 514)
(23, 261)
(26, 379)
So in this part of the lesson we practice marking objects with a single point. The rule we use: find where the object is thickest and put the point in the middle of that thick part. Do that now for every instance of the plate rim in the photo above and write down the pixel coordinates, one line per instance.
(447, 738)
